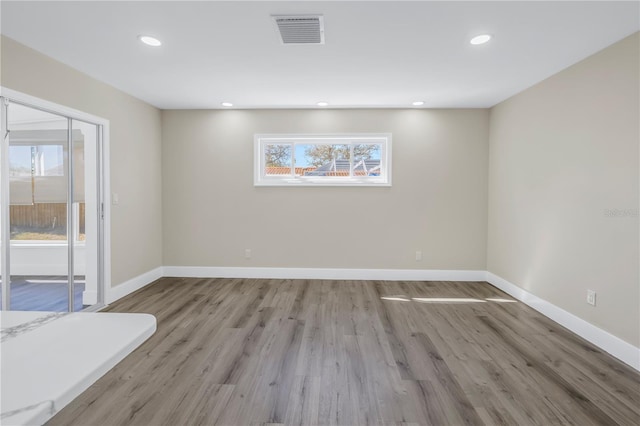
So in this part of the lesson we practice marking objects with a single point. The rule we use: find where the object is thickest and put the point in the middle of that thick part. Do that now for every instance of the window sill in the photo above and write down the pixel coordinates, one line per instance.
(321, 182)
(45, 243)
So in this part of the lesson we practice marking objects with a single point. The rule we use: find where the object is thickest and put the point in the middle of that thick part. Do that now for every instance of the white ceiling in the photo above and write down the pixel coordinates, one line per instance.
(377, 54)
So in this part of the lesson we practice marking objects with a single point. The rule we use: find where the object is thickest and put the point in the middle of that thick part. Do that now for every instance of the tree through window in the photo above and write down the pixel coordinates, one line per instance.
(357, 160)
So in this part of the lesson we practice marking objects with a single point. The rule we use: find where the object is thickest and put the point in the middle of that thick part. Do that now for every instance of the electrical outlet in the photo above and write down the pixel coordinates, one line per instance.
(247, 253)
(418, 256)
(591, 297)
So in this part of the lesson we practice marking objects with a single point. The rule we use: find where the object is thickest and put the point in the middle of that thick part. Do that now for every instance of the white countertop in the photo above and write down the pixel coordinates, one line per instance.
(49, 358)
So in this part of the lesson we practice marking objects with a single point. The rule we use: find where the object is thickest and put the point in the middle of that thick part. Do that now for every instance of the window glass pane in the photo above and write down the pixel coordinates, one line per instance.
(45, 160)
(38, 178)
(322, 160)
(366, 159)
(49, 160)
(19, 161)
(277, 159)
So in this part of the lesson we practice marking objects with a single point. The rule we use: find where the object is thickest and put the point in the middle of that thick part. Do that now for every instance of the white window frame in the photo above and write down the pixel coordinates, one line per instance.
(262, 140)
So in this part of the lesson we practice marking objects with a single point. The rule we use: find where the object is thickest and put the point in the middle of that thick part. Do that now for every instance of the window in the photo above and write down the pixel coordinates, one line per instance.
(38, 185)
(323, 160)
(37, 164)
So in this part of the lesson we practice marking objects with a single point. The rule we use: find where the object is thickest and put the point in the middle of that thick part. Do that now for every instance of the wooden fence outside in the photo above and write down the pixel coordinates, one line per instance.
(43, 216)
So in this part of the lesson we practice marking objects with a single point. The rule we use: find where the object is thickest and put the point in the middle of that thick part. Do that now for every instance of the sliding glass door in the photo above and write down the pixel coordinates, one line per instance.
(51, 210)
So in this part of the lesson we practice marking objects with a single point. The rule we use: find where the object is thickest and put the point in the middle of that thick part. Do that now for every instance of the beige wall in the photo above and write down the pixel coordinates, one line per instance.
(136, 223)
(562, 153)
(437, 203)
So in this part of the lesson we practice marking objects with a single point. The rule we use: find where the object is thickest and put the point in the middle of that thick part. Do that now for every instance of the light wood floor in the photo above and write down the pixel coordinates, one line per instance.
(244, 352)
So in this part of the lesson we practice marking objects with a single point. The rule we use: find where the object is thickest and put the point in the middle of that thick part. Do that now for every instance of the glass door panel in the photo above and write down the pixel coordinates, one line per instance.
(38, 160)
(85, 208)
(51, 223)
(3, 194)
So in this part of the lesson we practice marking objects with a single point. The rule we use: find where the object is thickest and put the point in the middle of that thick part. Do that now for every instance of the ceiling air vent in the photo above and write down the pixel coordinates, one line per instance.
(300, 29)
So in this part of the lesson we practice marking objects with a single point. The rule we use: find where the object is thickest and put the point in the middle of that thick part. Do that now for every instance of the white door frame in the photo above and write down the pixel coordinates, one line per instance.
(104, 226)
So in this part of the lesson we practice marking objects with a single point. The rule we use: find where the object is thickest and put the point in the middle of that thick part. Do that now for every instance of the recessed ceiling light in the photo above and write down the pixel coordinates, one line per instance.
(481, 39)
(150, 41)
(322, 103)
(227, 104)
(417, 103)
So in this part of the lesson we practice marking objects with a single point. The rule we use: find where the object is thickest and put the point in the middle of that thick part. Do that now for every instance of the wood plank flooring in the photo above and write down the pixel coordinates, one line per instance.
(311, 352)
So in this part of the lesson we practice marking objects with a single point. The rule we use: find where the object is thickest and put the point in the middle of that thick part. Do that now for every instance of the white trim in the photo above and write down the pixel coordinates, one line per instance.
(105, 168)
(89, 297)
(135, 283)
(5, 235)
(53, 107)
(606, 341)
(324, 273)
(105, 253)
(260, 140)
(45, 243)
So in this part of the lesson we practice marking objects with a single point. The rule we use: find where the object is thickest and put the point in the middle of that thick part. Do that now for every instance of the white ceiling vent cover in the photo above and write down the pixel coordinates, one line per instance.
(300, 29)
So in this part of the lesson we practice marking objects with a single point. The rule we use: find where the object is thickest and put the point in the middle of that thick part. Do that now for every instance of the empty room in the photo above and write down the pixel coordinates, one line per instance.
(319, 213)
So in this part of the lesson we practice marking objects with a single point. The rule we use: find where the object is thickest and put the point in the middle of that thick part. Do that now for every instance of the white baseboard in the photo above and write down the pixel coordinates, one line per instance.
(325, 273)
(136, 283)
(615, 346)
